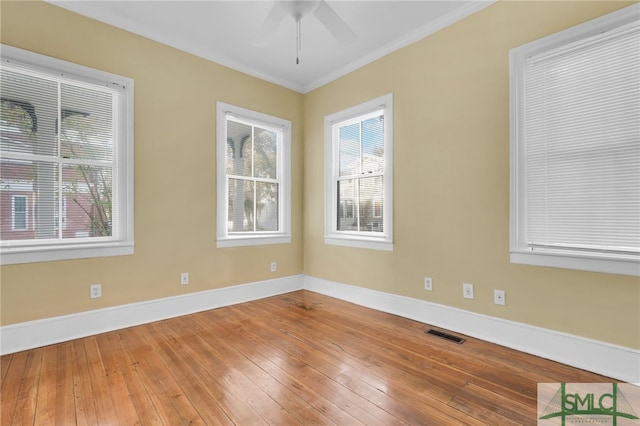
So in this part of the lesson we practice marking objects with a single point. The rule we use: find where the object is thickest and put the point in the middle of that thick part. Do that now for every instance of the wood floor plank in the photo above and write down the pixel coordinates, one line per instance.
(392, 384)
(10, 385)
(28, 389)
(298, 358)
(202, 392)
(82, 386)
(493, 408)
(113, 364)
(292, 378)
(47, 388)
(386, 360)
(65, 398)
(167, 376)
(5, 362)
(150, 370)
(144, 406)
(307, 404)
(321, 409)
(255, 372)
(106, 409)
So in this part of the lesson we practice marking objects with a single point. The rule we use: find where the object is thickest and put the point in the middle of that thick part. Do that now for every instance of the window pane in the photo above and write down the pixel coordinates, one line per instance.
(19, 212)
(24, 179)
(347, 220)
(17, 124)
(370, 196)
(29, 111)
(265, 153)
(241, 205)
(373, 145)
(87, 117)
(88, 207)
(267, 207)
(239, 149)
(349, 150)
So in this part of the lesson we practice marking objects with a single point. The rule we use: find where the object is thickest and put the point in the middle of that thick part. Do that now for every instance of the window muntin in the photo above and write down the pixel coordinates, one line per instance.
(358, 188)
(253, 177)
(575, 141)
(66, 142)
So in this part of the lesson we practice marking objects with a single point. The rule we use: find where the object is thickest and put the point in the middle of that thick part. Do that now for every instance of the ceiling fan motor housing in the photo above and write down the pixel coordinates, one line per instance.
(299, 9)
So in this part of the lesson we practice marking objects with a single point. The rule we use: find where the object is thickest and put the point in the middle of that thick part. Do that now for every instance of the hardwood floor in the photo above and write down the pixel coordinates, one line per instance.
(298, 358)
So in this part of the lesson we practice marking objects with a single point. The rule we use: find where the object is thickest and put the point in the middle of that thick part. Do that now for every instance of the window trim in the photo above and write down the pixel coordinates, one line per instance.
(283, 236)
(122, 242)
(520, 252)
(359, 239)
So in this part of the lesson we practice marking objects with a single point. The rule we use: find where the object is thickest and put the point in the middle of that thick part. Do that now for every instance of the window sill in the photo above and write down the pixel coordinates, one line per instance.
(372, 244)
(17, 255)
(578, 261)
(253, 240)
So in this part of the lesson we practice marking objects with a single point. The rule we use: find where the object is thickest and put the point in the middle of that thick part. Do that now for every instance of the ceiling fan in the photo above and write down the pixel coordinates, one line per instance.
(298, 10)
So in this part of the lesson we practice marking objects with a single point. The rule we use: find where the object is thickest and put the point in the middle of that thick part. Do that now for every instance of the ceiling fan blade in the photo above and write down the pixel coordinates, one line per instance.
(268, 29)
(336, 26)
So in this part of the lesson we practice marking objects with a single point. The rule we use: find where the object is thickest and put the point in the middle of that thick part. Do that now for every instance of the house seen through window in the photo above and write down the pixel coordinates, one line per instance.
(63, 176)
(358, 190)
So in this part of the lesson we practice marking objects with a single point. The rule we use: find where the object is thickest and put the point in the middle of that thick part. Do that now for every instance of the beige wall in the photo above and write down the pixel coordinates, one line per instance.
(451, 180)
(175, 208)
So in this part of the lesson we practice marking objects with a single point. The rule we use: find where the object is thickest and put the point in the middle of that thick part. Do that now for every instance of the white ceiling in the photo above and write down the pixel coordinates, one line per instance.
(224, 31)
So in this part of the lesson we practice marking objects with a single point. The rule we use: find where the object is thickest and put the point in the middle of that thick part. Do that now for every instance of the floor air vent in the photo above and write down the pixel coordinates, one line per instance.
(447, 336)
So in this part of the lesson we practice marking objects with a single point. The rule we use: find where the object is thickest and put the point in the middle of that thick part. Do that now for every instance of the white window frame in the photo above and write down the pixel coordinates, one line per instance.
(359, 239)
(13, 213)
(520, 252)
(122, 240)
(224, 238)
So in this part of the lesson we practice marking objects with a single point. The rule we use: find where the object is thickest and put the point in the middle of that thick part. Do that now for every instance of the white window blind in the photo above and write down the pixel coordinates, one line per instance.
(66, 143)
(576, 144)
(583, 144)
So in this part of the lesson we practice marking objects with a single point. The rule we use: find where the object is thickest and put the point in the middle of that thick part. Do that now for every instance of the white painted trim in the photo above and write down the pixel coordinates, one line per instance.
(33, 334)
(603, 358)
(122, 242)
(331, 134)
(283, 235)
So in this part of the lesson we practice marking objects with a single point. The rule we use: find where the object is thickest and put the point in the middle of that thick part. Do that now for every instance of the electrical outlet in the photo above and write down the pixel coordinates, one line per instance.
(467, 291)
(96, 291)
(274, 266)
(498, 297)
(184, 278)
(428, 284)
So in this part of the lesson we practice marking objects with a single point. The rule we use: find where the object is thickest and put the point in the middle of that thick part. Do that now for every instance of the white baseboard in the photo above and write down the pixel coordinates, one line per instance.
(613, 361)
(603, 358)
(33, 334)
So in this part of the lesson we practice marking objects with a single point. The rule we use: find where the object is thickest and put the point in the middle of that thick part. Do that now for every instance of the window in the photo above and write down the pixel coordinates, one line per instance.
(66, 154)
(575, 147)
(254, 175)
(359, 176)
(19, 212)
